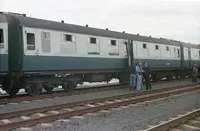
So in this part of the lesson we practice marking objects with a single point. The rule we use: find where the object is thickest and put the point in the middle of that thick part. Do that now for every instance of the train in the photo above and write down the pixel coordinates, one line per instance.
(37, 54)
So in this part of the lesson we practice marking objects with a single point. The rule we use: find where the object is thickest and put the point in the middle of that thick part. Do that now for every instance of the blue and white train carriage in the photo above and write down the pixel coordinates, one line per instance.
(37, 54)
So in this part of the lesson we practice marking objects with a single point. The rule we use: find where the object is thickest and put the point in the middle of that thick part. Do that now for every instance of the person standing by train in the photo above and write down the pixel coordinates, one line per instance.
(138, 73)
(147, 75)
(132, 77)
(194, 74)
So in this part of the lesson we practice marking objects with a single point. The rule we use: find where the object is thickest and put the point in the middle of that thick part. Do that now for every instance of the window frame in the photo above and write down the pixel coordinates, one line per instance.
(156, 47)
(178, 51)
(115, 42)
(46, 34)
(167, 48)
(68, 38)
(93, 38)
(2, 36)
(144, 46)
(30, 45)
(64, 38)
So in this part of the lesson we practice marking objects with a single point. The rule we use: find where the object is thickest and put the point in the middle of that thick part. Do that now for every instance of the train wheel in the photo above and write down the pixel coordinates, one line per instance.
(13, 91)
(48, 88)
(66, 86)
(34, 89)
(169, 77)
(69, 86)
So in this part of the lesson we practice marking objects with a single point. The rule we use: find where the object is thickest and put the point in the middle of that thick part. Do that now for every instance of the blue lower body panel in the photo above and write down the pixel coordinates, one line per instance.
(39, 63)
(186, 63)
(3, 63)
(196, 62)
(161, 64)
(48, 63)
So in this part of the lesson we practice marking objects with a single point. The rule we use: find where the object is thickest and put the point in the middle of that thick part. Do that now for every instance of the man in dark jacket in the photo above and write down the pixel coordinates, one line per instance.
(147, 75)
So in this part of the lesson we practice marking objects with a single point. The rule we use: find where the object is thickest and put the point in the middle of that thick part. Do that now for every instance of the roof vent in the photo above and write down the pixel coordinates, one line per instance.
(86, 25)
(123, 32)
(106, 28)
(62, 21)
(149, 36)
(138, 34)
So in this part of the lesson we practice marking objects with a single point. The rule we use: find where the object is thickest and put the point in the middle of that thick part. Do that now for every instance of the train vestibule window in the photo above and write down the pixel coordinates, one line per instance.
(1, 36)
(167, 48)
(113, 42)
(144, 46)
(156, 47)
(178, 52)
(30, 41)
(68, 37)
(93, 40)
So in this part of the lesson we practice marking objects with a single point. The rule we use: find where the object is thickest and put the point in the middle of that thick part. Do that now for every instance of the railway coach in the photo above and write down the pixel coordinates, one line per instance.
(38, 54)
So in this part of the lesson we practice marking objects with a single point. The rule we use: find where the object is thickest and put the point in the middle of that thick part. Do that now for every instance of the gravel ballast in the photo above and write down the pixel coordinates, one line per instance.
(25, 105)
(131, 118)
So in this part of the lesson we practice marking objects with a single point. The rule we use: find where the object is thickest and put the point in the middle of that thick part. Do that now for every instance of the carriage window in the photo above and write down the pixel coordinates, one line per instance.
(167, 47)
(113, 42)
(46, 45)
(199, 53)
(156, 47)
(93, 40)
(30, 41)
(144, 46)
(178, 52)
(1, 36)
(68, 38)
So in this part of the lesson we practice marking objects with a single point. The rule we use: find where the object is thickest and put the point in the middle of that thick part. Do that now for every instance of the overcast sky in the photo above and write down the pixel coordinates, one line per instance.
(174, 19)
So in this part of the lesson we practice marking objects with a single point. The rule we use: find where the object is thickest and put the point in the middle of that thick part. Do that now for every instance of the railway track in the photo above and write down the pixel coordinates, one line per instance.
(34, 116)
(61, 93)
(5, 100)
(187, 122)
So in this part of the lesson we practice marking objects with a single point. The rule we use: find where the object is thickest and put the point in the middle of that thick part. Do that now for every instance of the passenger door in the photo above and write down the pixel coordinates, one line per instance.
(29, 41)
(189, 57)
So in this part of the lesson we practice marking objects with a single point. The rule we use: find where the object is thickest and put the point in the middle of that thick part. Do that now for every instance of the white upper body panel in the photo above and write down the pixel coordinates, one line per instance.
(59, 43)
(78, 46)
(144, 50)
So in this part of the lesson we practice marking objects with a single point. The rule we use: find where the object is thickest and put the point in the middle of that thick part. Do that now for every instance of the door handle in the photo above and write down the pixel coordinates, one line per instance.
(37, 52)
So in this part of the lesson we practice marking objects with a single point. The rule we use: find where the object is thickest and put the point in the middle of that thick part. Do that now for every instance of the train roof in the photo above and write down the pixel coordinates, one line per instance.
(190, 45)
(52, 25)
(46, 24)
(3, 18)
